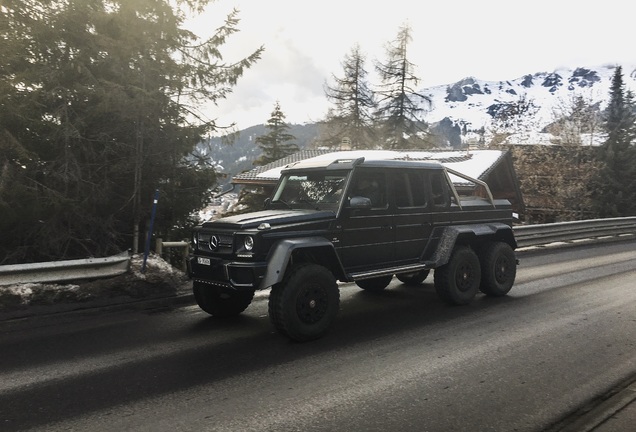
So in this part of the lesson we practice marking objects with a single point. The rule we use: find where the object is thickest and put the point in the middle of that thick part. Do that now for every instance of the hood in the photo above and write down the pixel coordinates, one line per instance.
(272, 217)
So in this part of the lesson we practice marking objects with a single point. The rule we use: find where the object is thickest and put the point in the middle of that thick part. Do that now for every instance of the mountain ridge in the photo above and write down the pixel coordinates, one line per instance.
(472, 104)
(463, 113)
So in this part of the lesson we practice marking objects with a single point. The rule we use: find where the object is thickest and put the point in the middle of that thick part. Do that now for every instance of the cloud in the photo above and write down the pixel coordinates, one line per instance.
(286, 74)
(306, 41)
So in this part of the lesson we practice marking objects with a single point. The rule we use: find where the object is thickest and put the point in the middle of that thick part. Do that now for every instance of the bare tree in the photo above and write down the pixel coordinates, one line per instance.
(511, 119)
(350, 121)
(577, 122)
(400, 105)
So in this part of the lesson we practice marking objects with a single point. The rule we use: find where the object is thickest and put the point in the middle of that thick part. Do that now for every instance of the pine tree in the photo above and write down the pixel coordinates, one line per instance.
(99, 107)
(616, 185)
(276, 143)
(351, 119)
(400, 105)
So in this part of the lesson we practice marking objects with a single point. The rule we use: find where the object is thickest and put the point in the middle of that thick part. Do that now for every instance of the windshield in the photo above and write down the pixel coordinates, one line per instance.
(317, 190)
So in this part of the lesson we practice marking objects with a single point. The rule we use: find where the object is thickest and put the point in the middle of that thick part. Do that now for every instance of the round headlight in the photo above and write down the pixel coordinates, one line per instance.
(248, 243)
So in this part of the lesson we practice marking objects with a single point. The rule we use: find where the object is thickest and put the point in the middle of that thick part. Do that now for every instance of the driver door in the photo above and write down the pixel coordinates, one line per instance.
(365, 239)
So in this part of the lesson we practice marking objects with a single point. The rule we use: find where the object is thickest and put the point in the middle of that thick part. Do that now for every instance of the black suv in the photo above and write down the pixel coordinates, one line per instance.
(353, 220)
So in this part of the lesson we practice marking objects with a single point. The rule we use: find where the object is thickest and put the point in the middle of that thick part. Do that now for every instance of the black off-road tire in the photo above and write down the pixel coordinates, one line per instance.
(498, 269)
(413, 279)
(457, 282)
(221, 302)
(304, 305)
(376, 284)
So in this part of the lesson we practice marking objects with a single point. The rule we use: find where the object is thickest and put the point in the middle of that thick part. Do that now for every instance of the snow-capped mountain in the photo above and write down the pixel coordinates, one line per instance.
(471, 104)
(460, 110)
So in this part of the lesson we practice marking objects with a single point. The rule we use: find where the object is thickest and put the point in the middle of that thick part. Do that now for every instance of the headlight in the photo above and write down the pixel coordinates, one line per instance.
(248, 243)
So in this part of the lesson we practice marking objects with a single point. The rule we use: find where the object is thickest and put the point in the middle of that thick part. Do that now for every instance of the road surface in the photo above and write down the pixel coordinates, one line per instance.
(400, 360)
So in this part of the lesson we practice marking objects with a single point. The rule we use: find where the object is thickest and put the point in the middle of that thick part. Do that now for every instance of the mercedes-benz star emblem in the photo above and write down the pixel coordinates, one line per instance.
(214, 242)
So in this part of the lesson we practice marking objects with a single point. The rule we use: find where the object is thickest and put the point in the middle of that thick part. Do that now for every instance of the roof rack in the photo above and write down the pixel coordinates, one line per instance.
(473, 180)
(352, 162)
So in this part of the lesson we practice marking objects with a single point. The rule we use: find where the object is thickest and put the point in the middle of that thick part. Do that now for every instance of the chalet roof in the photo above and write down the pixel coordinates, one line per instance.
(492, 166)
(264, 174)
(476, 164)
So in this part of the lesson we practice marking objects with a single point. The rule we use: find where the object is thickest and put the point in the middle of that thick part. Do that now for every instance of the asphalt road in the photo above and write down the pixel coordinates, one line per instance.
(400, 360)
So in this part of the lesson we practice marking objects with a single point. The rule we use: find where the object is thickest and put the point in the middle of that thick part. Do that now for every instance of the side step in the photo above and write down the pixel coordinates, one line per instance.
(411, 268)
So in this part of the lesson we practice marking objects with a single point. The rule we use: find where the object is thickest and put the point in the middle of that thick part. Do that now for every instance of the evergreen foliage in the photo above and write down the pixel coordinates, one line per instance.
(276, 143)
(400, 105)
(98, 108)
(616, 184)
(351, 120)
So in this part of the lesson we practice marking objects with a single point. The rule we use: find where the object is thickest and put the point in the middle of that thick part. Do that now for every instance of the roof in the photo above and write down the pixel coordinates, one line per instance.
(255, 175)
(476, 164)
(494, 167)
(350, 163)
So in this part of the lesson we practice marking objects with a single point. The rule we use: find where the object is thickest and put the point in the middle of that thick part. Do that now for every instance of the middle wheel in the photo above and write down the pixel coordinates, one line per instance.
(457, 282)
(413, 278)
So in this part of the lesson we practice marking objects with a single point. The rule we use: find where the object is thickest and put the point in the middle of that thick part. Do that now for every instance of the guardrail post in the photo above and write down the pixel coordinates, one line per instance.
(160, 245)
(184, 256)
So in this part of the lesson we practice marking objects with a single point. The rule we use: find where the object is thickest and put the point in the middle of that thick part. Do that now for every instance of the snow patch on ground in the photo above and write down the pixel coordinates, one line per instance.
(159, 280)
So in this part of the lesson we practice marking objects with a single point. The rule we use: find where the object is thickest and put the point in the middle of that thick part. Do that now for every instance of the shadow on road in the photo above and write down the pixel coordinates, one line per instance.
(236, 346)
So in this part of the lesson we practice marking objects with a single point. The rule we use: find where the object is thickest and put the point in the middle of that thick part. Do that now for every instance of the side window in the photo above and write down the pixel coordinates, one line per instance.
(372, 185)
(439, 189)
(409, 189)
(417, 180)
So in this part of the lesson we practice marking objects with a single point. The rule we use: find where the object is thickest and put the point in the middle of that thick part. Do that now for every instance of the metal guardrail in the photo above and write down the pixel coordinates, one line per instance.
(185, 245)
(536, 235)
(94, 268)
(91, 268)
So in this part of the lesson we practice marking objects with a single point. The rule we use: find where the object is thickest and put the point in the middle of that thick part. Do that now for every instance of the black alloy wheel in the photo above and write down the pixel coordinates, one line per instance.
(304, 305)
(457, 282)
(219, 301)
(498, 269)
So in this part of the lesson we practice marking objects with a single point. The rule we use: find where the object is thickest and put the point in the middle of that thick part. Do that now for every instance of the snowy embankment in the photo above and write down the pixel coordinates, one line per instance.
(159, 280)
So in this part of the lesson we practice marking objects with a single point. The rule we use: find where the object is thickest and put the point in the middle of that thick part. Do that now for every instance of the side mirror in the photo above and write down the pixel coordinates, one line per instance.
(360, 202)
(266, 202)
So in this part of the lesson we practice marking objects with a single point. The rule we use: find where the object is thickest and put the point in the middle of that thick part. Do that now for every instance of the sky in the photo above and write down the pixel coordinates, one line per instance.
(306, 41)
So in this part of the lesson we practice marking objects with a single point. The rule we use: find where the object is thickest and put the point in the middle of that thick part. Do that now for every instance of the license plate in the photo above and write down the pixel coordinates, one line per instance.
(203, 261)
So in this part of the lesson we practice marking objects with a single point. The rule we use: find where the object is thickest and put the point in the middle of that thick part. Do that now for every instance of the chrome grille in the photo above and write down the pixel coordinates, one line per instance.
(216, 242)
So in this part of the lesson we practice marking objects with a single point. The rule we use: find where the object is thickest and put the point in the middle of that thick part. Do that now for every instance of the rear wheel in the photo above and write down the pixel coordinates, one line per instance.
(458, 281)
(415, 278)
(304, 305)
(219, 301)
(498, 269)
(376, 284)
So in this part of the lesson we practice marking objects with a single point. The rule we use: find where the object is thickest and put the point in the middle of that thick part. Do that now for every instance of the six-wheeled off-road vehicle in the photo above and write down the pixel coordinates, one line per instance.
(353, 220)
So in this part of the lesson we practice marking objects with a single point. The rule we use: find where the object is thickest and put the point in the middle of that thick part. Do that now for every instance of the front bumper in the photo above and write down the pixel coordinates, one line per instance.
(242, 276)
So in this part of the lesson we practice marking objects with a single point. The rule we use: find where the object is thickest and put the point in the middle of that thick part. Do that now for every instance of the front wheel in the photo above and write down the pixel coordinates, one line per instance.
(457, 282)
(304, 305)
(375, 284)
(221, 302)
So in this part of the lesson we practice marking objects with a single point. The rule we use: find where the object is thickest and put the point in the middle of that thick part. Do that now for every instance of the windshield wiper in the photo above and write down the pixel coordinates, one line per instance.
(280, 200)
